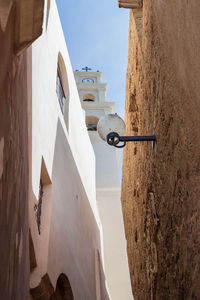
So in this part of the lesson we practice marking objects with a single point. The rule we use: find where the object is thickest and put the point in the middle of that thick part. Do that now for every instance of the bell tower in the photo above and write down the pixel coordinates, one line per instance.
(93, 97)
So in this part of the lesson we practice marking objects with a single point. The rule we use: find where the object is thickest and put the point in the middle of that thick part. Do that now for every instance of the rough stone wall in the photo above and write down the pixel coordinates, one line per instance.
(160, 188)
(14, 266)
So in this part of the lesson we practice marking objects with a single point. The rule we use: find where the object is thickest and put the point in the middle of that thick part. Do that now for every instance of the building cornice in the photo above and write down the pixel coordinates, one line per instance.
(130, 3)
(94, 105)
(86, 86)
(84, 74)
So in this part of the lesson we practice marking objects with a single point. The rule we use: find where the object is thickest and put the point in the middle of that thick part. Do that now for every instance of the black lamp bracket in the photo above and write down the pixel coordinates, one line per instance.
(114, 139)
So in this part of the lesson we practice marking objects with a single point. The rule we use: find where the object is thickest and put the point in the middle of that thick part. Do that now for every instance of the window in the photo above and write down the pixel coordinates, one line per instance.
(43, 205)
(91, 123)
(60, 91)
(88, 97)
(38, 207)
(88, 80)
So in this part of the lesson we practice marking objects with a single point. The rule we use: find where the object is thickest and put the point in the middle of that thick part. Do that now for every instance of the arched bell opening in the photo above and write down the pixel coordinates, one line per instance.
(91, 123)
(89, 98)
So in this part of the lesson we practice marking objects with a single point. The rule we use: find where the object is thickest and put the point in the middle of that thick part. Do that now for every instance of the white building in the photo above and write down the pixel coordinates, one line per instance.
(65, 230)
(92, 93)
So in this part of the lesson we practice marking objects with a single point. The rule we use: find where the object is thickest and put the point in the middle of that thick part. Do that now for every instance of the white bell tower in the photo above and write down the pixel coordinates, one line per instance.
(93, 95)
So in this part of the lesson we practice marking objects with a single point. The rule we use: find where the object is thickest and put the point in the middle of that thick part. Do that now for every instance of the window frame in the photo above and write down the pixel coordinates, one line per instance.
(60, 90)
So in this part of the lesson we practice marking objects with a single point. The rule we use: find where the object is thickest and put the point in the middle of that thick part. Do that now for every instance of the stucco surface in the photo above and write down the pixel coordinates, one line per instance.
(70, 226)
(74, 230)
(46, 106)
(160, 193)
(115, 255)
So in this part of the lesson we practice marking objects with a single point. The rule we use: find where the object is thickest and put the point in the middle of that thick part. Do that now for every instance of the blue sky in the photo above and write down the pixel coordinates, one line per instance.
(96, 33)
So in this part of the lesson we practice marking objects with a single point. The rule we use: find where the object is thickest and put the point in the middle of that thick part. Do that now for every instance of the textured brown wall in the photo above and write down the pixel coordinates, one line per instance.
(160, 192)
(14, 265)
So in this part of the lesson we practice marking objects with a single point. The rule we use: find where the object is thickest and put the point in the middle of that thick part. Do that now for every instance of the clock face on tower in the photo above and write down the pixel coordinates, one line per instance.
(88, 80)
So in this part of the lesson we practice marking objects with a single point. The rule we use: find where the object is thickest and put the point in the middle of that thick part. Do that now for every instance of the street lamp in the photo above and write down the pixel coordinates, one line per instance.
(111, 129)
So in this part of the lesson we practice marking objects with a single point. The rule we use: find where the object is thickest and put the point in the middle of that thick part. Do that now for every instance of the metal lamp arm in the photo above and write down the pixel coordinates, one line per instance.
(137, 138)
(114, 139)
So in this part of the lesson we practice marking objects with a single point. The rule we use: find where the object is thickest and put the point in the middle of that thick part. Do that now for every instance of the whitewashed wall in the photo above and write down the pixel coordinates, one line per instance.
(70, 226)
